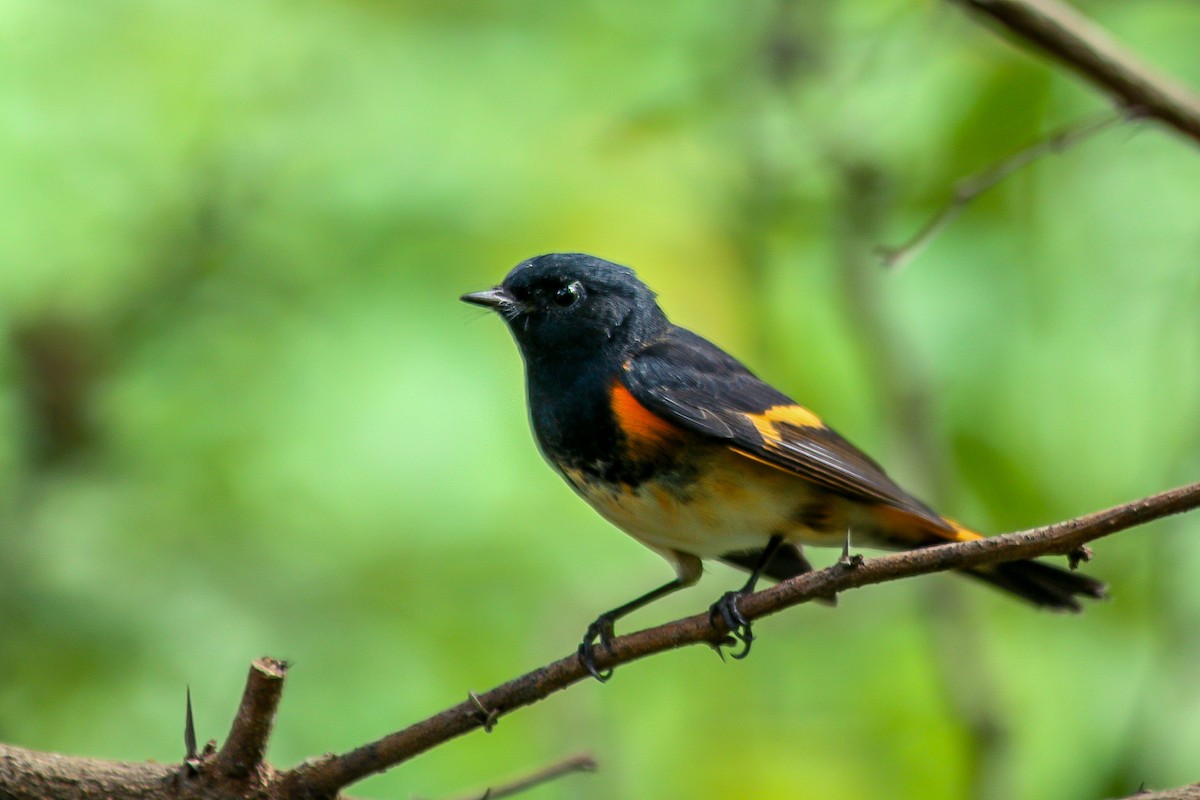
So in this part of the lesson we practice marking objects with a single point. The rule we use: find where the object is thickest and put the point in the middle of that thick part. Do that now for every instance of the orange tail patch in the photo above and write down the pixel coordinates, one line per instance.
(907, 529)
(962, 534)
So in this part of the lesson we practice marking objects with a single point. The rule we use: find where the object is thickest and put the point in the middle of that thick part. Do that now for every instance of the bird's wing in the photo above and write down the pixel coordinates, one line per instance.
(692, 383)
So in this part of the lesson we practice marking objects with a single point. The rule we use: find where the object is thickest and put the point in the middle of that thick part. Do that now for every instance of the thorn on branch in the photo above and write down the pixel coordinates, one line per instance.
(1080, 554)
(190, 758)
(189, 729)
(849, 560)
(719, 645)
(490, 716)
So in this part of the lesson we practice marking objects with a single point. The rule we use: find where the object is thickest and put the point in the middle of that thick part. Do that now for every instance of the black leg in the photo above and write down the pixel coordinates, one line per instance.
(727, 606)
(602, 628)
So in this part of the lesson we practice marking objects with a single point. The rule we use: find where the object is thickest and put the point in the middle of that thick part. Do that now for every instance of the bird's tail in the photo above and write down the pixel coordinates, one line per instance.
(1039, 583)
(1042, 584)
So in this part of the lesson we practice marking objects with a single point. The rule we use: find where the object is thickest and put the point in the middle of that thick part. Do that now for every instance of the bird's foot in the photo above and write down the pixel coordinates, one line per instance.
(735, 621)
(599, 631)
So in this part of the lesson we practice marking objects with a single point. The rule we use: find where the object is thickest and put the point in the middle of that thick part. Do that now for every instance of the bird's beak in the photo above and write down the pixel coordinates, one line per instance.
(492, 298)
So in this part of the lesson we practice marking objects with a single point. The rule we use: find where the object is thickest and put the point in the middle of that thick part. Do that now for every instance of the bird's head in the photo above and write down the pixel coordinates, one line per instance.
(565, 306)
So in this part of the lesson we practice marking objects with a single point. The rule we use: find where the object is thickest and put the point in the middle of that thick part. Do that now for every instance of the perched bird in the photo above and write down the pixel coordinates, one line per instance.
(677, 443)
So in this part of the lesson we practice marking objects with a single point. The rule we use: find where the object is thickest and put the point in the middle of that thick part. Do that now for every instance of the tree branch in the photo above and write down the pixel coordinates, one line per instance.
(1073, 40)
(32, 775)
(1189, 792)
(326, 776)
(579, 763)
(242, 755)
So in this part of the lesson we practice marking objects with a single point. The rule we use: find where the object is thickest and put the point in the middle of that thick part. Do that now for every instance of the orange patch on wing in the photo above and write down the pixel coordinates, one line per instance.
(644, 430)
(799, 416)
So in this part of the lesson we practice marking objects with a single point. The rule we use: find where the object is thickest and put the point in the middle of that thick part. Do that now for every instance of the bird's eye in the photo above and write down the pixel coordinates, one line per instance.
(568, 295)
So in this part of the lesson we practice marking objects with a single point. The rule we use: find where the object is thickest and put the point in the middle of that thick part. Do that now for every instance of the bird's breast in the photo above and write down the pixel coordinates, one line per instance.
(596, 426)
(713, 501)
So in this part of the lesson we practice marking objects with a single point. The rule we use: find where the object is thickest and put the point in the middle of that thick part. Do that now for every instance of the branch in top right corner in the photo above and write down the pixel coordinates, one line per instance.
(1062, 33)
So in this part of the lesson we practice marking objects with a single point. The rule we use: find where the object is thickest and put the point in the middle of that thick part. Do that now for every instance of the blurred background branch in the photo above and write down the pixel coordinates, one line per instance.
(579, 763)
(1059, 31)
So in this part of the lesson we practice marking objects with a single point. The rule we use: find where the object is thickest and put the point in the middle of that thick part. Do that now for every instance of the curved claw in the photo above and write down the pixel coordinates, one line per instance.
(745, 651)
(602, 630)
(735, 621)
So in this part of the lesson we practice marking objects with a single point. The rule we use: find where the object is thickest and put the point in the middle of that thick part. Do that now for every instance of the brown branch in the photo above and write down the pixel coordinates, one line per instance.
(242, 755)
(238, 770)
(578, 763)
(326, 776)
(1075, 41)
(32, 775)
(1189, 792)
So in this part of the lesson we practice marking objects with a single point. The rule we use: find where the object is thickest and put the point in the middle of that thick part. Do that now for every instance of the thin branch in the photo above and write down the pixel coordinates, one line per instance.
(243, 752)
(970, 187)
(577, 763)
(1189, 792)
(324, 777)
(1075, 41)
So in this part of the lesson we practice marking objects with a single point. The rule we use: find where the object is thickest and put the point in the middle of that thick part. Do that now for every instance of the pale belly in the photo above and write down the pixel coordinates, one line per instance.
(732, 504)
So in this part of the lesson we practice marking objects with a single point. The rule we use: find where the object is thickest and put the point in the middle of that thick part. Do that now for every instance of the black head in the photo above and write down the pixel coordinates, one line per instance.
(565, 306)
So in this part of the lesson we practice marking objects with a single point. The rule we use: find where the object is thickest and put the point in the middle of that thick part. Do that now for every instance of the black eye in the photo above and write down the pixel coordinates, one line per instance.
(568, 295)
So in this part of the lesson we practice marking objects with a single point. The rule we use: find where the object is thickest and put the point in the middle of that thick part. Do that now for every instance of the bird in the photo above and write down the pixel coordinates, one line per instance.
(680, 445)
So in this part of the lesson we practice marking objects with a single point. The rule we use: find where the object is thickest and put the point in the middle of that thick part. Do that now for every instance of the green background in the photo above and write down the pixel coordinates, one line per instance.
(242, 411)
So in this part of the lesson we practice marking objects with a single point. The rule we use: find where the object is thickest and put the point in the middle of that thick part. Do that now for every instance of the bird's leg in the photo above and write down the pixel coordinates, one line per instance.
(727, 607)
(602, 628)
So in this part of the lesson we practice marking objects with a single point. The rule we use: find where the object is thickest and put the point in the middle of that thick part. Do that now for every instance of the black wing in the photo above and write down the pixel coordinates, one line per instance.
(696, 385)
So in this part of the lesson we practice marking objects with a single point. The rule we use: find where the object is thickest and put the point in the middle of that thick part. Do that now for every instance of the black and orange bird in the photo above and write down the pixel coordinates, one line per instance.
(681, 446)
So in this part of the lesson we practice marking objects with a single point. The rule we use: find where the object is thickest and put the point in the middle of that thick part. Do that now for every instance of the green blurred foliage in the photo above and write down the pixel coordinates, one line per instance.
(243, 412)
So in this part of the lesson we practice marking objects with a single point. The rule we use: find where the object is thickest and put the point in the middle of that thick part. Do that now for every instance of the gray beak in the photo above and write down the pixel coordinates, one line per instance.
(492, 298)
